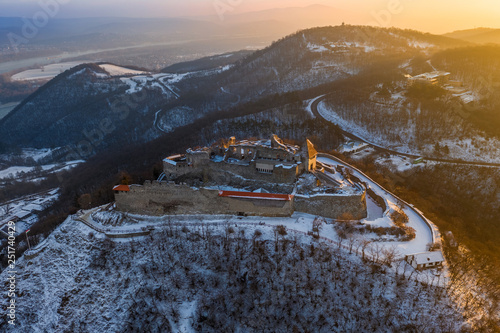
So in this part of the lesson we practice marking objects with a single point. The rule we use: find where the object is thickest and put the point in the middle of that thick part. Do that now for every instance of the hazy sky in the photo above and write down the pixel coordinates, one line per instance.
(436, 16)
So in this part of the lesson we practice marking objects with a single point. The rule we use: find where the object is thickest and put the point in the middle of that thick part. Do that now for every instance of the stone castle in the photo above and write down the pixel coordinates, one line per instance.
(248, 177)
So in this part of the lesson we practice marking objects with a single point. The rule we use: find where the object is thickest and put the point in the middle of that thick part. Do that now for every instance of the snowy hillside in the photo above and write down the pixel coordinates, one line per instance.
(219, 277)
(317, 56)
(398, 125)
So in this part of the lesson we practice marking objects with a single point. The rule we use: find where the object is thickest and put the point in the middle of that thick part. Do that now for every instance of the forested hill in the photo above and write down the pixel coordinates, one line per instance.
(72, 109)
(478, 35)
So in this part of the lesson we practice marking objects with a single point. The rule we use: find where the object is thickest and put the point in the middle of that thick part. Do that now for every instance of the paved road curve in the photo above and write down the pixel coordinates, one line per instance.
(314, 109)
(426, 231)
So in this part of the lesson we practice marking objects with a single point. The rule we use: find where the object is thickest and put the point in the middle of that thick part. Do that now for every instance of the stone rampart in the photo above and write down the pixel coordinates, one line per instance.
(332, 206)
(174, 199)
(154, 198)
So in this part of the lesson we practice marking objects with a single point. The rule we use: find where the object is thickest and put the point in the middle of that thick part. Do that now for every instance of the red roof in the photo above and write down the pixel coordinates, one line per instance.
(253, 195)
(123, 188)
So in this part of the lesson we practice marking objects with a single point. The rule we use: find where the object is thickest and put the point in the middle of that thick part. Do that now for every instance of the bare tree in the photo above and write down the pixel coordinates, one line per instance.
(351, 241)
(375, 250)
(6, 210)
(389, 255)
(257, 233)
(85, 201)
(228, 230)
(279, 230)
(317, 224)
(364, 243)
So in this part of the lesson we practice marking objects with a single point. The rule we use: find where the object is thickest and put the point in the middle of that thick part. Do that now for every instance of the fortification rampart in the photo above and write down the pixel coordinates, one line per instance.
(174, 199)
(332, 206)
(164, 198)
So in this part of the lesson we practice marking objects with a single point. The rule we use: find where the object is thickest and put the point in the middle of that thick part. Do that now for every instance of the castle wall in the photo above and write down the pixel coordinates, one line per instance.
(331, 206)
(279, 175)
(173, 199)
(174, 171)
(221, 170)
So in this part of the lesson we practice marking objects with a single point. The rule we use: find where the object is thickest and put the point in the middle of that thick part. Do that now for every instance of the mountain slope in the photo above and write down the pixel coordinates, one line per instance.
(78, 106)
(479, 35)
(207, 62)
(181, 279)
(71, 109)
(320, 55)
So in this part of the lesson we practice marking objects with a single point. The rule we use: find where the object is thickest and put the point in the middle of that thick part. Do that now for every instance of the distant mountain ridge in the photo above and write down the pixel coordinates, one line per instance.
(478, 35)
(297, 17)
(77, 101)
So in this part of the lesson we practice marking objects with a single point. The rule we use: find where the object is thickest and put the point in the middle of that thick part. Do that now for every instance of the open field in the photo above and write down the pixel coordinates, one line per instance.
(46, 72)
(6, 108)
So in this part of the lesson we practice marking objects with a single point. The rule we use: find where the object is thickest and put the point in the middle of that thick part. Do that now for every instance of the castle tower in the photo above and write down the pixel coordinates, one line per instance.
(311, 155)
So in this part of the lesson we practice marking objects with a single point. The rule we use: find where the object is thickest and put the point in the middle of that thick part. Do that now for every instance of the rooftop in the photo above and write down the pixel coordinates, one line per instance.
(174, 159)
(255, 195)
(431, 75)
(428, 257)
(122, 188)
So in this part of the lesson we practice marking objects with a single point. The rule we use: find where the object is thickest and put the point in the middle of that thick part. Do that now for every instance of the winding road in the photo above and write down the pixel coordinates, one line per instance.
(314, 109)
(426, 231)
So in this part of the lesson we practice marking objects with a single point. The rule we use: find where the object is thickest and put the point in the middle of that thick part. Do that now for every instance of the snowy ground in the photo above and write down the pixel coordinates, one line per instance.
(20, 172)
(114, 70)
(353, 146)
(36, 154)
(363, 153)
(76, 280)
(12, 172)
(351, 127)
(25, 209)
(398, 163)
(163, 81)
(46, 72)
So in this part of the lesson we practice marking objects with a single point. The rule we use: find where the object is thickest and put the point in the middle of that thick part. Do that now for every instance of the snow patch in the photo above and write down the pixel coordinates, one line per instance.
(114, 70)
(46, 72)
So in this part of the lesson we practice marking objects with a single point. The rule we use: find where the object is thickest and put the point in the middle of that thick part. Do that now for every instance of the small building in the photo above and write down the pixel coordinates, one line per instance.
(4, 231)
(425, 260)
(432, 78)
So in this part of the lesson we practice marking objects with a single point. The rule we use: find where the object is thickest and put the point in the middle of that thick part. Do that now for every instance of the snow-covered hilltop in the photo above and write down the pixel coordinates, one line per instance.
(215, 275)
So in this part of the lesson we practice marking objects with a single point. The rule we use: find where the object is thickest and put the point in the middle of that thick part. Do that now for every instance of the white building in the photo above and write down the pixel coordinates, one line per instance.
(436, 77)
(425, 259)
